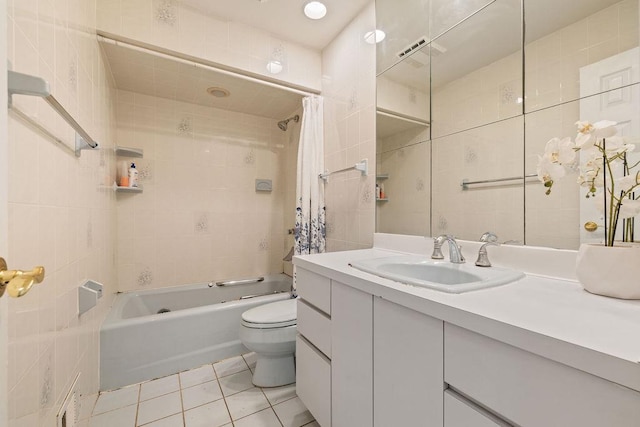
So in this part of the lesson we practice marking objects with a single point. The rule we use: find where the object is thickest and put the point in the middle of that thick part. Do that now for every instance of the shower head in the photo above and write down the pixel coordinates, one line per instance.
(283, 124)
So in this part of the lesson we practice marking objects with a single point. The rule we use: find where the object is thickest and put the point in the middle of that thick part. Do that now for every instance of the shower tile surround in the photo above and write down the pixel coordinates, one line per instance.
(199, 217)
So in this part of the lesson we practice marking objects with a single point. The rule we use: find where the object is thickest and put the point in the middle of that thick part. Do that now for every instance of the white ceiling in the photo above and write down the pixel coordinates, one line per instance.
(149, 74)
(285, 18)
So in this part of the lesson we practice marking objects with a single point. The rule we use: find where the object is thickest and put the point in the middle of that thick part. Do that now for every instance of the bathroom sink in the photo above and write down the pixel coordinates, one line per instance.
(440, 275)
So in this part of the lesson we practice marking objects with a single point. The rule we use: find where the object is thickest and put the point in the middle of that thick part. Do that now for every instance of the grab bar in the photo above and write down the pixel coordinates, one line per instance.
(239, 282)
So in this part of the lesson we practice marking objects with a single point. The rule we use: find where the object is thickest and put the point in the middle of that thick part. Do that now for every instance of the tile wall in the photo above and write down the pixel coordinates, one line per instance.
(199, 217)
(179, 27)
(348, 87)
(60, 214)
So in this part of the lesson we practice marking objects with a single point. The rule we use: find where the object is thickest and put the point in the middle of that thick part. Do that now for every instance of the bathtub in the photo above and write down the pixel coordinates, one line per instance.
(150, 334)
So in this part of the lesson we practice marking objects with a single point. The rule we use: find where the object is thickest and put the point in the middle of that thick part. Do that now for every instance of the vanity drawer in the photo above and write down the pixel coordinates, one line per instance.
(313, 381)
(315, 326)
(529, 390)
(314, 288)
(459, 412)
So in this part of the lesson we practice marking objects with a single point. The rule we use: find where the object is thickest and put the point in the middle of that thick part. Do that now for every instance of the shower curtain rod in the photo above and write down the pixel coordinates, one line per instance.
(106, 39)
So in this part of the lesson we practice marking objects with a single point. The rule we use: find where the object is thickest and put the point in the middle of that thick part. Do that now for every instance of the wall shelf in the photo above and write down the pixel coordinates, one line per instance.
(382, 200)
(119, 189)
(382, 176)
(129, 152)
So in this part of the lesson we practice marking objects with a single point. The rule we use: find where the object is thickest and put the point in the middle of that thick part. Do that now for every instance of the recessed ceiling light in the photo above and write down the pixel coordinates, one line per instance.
(315, 10)
(218, 92)
(274, 67)
(373, 37)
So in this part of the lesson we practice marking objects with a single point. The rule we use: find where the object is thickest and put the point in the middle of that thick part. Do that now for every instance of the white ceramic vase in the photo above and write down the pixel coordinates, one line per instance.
(612, 271)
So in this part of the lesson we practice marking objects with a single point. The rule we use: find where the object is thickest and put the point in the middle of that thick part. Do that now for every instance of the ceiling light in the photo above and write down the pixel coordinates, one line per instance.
(274, 67)
(315, 10)
(218, 92)
(373, 37)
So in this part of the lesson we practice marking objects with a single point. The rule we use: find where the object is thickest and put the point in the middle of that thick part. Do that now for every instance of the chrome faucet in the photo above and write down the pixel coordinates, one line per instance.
(455, 251)
(483, 257)
(489, 236)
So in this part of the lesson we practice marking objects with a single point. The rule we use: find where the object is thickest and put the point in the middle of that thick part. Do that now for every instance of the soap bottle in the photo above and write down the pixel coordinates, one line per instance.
(133, 176)
(383, 195)
(124, 174)
(377, 191)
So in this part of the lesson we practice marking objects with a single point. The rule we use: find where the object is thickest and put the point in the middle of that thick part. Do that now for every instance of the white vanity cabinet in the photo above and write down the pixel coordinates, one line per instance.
(529, 390)
(407, 367)
(460, 412)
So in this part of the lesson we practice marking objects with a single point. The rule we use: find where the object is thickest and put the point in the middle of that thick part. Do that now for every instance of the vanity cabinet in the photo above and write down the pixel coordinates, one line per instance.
(407, 367)
(529, 390)
(460, 412)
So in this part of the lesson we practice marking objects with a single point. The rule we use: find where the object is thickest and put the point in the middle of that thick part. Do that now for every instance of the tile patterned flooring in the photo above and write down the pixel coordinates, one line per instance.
(214, 395)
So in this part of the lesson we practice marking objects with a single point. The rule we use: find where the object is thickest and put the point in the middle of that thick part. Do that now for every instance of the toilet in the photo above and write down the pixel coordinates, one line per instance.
(270, 331)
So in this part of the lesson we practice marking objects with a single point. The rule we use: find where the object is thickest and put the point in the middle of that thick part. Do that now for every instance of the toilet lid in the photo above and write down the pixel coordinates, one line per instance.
(273, 315)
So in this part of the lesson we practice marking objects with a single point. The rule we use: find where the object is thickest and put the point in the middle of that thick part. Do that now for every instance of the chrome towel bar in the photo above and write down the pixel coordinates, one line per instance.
(24, 84)
(361, 166)
(465, 183)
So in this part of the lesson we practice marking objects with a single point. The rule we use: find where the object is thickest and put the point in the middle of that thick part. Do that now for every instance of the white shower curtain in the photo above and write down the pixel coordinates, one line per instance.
(310, 229)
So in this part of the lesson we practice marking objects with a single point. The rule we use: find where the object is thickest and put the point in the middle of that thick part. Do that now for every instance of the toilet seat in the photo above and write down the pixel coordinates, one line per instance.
(274, 315)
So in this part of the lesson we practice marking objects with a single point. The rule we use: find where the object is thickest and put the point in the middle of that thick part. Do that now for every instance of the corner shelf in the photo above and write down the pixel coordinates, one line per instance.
(382, 200)
(382, 176)
(129, 152)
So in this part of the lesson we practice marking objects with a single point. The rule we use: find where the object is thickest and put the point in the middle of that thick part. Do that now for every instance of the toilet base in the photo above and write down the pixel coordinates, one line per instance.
(274, 371)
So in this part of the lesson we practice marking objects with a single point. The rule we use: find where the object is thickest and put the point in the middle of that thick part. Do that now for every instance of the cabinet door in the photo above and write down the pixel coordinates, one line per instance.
(407, 367)
(458, 412)
(351, 357)
(530, 390)
(313, 381)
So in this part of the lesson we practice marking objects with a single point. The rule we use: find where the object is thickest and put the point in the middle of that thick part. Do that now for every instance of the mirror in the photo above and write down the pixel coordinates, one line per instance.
(497, 95)
(402, 146)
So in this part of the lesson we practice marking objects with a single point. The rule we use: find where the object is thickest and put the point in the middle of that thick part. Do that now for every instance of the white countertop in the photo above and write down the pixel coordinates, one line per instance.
(554, 318)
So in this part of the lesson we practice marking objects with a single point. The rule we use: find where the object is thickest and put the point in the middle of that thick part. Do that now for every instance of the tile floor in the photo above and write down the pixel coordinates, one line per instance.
(209, 396)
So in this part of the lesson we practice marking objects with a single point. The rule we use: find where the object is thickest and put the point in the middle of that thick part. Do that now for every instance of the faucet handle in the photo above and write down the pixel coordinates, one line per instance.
(437, 246)
(489, 236)
(483, 257)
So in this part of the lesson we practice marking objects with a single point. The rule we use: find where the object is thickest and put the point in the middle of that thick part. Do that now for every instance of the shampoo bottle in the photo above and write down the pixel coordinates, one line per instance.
(133, 176)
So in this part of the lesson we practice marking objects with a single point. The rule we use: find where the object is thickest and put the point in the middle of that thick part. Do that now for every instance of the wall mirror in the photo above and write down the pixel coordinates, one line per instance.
(497, 94)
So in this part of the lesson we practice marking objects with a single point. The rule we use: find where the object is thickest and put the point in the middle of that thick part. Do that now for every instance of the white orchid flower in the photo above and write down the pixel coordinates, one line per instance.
(589, 134)
(560, 151)
(549, 171)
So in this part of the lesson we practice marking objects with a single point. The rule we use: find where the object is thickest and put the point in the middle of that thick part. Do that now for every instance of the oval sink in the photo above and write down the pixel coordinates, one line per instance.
(440, 275)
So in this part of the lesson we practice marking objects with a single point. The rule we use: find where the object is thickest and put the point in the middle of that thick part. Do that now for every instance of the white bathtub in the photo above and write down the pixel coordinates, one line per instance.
(138, 344)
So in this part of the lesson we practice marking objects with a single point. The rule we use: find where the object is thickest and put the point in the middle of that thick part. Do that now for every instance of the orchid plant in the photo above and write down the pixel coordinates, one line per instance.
(603, 169)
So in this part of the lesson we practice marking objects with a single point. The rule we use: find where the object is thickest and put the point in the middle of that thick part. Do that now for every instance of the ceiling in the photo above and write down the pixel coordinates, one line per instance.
(285, 18)
(148, 73)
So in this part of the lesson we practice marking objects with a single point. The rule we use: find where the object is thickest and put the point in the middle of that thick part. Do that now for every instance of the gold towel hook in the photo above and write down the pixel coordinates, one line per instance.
(18, 282)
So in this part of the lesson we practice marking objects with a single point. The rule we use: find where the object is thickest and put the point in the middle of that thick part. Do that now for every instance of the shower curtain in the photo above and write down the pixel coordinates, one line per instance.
(310, 229)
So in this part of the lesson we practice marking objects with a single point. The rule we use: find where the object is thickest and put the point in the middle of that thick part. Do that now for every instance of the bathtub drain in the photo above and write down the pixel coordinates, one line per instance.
(163, 310)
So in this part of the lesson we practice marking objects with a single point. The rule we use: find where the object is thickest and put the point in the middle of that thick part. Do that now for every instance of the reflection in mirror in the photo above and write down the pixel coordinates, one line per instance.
(477, 70)
(403, 151)
(558, 219)
(403, 176)
(405, 24)
(445, 14)
(488, 153)
(578, 33)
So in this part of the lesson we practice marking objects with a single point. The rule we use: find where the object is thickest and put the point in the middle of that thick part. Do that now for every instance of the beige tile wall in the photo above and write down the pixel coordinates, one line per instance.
(60, 214)
(178, 27)
(199, 217)
(348, 70)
